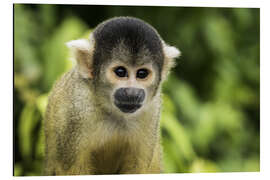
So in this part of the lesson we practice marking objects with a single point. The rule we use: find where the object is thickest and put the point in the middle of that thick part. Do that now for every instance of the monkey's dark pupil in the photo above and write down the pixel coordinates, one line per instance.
(121, 72)
(142, 73)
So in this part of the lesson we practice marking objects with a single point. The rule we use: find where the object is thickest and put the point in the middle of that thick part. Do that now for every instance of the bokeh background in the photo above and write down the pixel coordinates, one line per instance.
(211, 103)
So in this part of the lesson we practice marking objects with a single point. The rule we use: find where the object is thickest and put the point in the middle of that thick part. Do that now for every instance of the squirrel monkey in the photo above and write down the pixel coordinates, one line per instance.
(103, 115)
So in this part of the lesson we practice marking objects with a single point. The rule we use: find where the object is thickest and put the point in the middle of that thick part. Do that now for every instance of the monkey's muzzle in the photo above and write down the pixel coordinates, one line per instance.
(129, 100)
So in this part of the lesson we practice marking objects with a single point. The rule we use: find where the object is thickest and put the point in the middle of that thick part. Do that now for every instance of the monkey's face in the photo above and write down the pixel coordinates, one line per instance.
(129, 87)
(132, 85)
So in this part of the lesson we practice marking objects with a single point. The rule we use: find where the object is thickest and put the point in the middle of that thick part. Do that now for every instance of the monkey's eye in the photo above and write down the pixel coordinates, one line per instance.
(142, 73)
(121, 71)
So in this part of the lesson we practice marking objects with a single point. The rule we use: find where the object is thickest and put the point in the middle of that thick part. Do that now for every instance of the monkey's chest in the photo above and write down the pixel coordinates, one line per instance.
(111, 158)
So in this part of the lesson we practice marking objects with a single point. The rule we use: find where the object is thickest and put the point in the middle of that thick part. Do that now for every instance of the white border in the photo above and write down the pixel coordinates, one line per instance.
(202, 3)
(6, 128)
(6, 77)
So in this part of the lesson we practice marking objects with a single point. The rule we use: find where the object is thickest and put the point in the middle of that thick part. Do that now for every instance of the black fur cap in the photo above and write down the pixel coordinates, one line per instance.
(133, 32)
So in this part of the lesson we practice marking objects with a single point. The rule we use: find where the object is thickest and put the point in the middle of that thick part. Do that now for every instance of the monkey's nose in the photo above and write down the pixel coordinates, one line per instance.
(130, 95)
(129, 99)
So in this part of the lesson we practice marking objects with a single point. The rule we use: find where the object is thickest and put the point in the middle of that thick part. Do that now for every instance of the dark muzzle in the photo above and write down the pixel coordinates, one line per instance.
(128, 100)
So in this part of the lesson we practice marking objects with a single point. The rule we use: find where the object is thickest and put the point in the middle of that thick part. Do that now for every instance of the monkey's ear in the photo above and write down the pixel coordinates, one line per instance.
(170, 54)
(82, 50)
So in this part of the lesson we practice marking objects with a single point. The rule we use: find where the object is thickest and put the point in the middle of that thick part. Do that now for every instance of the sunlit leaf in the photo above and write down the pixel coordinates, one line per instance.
(27, 123)
(202, 165)
(55, 51)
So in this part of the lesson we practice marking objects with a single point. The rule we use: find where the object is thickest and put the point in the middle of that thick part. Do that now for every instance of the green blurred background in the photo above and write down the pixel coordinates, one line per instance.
(211, 103)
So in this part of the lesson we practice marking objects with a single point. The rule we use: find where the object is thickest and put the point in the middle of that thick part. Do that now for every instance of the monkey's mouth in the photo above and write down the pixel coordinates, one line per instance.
(128, 107)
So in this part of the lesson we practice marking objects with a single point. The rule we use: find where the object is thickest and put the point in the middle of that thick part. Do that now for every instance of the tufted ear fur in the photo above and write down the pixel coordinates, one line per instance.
(82, 50)
(170, 54)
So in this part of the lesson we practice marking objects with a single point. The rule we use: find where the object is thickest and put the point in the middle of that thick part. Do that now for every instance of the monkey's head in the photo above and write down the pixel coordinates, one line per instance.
(125, 61)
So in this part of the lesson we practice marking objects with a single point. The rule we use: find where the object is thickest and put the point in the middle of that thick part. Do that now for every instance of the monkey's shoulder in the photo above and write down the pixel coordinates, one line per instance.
(69, 98)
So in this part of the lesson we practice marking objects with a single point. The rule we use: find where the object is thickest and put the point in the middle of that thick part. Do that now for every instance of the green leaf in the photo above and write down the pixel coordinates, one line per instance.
(56, 53)
(28, 122)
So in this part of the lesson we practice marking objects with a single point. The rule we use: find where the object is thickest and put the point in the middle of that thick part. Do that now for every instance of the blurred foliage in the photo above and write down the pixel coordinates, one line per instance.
(211, 103)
